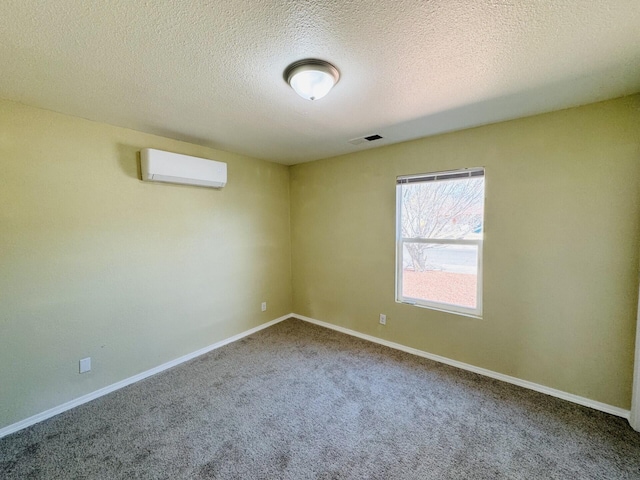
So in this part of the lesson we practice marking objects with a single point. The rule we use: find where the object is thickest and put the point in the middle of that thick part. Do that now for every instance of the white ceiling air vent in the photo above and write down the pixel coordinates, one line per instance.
(167, 167)
(366, 138)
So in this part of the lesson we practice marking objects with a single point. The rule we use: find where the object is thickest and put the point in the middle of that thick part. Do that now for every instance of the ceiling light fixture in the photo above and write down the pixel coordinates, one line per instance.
(310, 78)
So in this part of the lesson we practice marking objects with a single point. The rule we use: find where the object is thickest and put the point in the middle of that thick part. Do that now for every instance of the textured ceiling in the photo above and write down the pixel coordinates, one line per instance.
(210, 72)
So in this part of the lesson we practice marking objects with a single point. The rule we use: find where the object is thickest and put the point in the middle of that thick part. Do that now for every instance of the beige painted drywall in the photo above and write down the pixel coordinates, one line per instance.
(560, 257)
(94, 262)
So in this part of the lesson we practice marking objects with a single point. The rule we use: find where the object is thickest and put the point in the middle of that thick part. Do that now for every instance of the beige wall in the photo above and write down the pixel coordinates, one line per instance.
(94, 262)
(561, 247)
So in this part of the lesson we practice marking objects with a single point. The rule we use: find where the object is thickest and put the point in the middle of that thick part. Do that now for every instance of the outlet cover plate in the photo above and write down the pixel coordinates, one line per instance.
(85, 365)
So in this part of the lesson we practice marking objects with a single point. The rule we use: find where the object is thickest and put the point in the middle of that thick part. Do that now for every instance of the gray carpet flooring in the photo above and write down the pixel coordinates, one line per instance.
(297, 401)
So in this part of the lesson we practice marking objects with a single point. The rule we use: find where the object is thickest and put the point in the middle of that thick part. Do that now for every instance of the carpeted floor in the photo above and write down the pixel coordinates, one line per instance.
(297, 401)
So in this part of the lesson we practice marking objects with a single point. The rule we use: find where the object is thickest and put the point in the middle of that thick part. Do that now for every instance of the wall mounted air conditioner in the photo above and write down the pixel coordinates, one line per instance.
(159, 166)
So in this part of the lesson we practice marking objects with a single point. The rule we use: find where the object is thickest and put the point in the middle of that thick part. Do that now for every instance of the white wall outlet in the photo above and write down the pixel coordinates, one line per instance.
(85, 365)
(264, 306)
(383, 319)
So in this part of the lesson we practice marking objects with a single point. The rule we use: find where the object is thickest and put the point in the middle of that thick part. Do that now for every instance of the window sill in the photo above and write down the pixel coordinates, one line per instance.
(441, 309)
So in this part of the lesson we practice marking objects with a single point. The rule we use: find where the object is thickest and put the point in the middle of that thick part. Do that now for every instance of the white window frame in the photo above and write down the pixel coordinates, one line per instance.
(400, 241)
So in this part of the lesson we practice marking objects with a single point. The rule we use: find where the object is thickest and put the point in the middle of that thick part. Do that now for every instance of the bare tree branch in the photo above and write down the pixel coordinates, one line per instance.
(449, 209)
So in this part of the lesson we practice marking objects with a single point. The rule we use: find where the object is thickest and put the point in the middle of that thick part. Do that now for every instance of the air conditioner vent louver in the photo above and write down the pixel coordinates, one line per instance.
(366, 138)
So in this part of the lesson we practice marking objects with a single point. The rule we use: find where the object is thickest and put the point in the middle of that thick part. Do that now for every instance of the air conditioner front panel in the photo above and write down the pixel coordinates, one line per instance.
(167, 167)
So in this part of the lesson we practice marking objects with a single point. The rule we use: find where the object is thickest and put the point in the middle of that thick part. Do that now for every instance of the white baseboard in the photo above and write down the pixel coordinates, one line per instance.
(465, 366)
(27, 422)
(620, 412)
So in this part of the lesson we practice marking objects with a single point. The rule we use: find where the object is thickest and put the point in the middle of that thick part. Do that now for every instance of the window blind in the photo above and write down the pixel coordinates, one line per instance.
(434, 177)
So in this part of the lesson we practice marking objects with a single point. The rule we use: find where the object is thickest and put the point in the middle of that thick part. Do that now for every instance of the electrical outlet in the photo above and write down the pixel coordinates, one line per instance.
(85, 365)
(383, 319)
(264, 306)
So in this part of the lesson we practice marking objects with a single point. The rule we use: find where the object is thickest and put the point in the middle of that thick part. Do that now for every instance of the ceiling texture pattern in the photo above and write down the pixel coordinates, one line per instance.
(211, 72)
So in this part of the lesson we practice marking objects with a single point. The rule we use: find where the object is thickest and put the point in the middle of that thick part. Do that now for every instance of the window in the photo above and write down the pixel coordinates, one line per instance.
(439, 235)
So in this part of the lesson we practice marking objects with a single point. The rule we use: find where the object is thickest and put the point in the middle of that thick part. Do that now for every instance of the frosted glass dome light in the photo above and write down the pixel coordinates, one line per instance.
(312, 79)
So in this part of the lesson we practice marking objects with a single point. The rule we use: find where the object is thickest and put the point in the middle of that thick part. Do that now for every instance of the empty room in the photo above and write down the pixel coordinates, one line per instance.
(319, 240)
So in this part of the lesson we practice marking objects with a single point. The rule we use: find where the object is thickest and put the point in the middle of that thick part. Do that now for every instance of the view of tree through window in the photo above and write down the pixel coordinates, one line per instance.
(440, 239)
